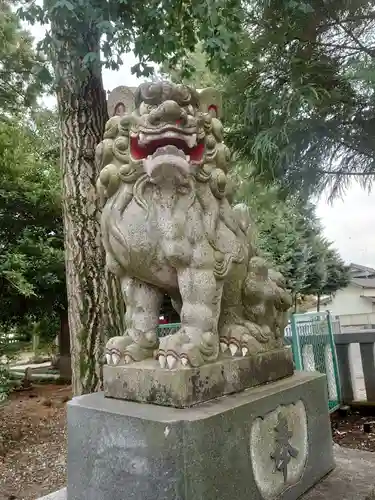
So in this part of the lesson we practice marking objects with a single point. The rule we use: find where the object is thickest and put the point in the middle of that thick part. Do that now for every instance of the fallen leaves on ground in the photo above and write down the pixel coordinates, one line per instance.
(354, 431)
(33, 442)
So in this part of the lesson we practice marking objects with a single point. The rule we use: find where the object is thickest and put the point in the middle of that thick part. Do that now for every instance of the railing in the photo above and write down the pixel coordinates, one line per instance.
(168, 329)
(311, 337)
(352, 321)
(356, 361)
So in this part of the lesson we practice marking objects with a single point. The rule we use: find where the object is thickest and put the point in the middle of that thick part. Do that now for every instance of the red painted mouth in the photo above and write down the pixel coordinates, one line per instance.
(140, 152)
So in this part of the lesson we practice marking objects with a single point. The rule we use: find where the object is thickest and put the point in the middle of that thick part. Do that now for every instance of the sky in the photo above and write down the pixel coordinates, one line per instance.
(348, 222)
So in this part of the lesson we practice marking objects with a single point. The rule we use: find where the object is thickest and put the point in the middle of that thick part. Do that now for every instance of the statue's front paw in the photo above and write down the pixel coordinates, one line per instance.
(124, 351)
(186, 356)
(169, 348)
(187, 349)
(115, 349)
(238, 342)
(135, 352)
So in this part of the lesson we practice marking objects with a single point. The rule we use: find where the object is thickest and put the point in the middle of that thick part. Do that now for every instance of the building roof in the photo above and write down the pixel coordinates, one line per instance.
(357, 268)
(364, 282)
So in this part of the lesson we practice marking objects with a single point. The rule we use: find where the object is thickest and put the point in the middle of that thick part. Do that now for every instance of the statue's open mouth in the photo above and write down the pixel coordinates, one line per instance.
(142, 146)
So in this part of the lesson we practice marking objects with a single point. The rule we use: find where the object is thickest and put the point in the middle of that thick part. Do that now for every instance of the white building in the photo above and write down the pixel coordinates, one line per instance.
(355, 304)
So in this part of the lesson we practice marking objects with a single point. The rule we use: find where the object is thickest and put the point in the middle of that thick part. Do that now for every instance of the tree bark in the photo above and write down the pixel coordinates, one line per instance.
(93, 299)
(63, 363)
(64, 334)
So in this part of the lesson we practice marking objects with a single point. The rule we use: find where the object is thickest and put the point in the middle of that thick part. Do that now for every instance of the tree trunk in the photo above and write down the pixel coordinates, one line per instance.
(318, 303)
(64, 334)
(63, 356)
(92, 299)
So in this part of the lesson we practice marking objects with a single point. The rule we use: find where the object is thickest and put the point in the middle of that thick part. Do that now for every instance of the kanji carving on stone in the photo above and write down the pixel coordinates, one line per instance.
(284, 450)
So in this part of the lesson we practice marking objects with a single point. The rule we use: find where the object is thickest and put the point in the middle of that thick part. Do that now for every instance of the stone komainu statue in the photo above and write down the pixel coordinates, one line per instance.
(168, 228)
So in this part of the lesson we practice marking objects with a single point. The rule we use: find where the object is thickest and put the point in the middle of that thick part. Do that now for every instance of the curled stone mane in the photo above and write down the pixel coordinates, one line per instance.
(156, 93)
(118, 167)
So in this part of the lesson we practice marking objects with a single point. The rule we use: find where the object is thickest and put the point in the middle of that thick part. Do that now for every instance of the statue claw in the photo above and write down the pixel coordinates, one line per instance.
(127, 359)
(245, 350)
(162, 361)
(233, 349)
(171, 361)
(108, 358)
(115, 359)
(184, 361)
(223, 346)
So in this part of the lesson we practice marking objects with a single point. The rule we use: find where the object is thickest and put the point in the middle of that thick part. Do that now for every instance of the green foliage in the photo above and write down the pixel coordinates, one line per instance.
(156, 31)
(9, 347)
(31, 257)
(20, 67)
(338, 275)
(202, 77)
(290, 236)
(301, 94)
(32, 274)
(5, 353)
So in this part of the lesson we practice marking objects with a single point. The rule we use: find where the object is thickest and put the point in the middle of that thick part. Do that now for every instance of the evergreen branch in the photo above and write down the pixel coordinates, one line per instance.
(341, 173)
(350, 19)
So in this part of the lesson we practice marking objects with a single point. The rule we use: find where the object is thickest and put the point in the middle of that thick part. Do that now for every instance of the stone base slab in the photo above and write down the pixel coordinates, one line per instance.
(352, 479)
(57, 495)
(146, 382)
(268, 442)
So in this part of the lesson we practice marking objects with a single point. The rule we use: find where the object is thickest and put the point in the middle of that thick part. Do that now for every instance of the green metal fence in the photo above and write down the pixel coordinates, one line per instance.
(168, 329)
(311, 337)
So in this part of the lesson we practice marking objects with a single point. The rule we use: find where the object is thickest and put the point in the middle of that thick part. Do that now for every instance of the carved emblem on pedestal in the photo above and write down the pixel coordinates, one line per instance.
(284, 451)
(279, 447)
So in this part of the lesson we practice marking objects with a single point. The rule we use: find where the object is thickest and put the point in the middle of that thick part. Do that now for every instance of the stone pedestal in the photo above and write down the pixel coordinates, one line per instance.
(146, 382)
(272, 441)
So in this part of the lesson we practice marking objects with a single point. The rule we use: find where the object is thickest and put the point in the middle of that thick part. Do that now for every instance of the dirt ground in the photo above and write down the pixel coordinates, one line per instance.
(33, 441)
(355, 430)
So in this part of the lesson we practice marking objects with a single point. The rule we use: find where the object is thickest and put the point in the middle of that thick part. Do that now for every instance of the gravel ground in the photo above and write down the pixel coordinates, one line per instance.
(355, 430)
(33, 443)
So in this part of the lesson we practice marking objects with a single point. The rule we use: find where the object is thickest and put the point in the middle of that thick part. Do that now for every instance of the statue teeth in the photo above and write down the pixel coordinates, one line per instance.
(168, 149)
(191, 140)
(108, 357)
(245, 350)
(171, 361)
(233, 349)
(162, 361)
